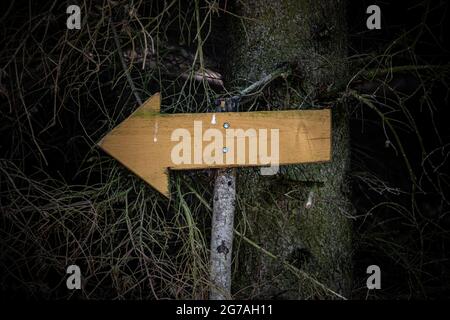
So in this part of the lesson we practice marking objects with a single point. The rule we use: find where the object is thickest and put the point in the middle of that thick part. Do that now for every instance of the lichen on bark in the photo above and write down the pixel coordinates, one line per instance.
(316, 239)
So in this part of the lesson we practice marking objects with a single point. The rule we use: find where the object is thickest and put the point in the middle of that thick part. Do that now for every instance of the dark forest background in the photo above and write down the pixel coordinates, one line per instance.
(63, 201)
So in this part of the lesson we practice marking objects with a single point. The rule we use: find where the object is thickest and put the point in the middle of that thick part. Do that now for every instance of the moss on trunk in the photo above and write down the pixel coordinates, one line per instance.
(273, 211)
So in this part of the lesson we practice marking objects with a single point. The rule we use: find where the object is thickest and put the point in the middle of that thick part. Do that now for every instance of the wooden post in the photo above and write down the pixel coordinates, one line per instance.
(222, 234)
(222, 223)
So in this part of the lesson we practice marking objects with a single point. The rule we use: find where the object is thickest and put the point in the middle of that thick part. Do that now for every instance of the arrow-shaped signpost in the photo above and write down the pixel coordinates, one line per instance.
(151, 144)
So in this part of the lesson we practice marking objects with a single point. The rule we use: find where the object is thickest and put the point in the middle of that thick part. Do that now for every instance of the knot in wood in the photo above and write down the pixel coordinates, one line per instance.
(223, 248)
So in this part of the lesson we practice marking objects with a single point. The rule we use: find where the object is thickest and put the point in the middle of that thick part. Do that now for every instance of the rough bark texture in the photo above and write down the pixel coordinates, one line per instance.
(222, 234)
(302, 215)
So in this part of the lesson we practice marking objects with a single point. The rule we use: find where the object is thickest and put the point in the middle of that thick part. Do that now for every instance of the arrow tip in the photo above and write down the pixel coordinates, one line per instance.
(128, 144)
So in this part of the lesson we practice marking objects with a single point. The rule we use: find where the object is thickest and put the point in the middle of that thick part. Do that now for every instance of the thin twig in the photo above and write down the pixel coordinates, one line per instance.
(124, 65)
(280, 72)
(406, 68)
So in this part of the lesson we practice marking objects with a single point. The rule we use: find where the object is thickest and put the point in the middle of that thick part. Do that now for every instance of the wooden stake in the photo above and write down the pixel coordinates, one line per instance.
(222, 234)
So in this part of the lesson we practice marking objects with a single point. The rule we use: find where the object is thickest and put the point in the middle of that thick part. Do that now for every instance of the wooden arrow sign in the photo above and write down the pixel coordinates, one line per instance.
(149, 143)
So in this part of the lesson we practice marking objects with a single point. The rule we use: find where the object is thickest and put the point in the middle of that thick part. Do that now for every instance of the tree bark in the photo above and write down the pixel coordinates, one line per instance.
(301, 216)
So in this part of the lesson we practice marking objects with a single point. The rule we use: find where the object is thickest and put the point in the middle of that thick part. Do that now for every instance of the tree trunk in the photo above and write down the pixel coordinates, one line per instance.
(301, 215)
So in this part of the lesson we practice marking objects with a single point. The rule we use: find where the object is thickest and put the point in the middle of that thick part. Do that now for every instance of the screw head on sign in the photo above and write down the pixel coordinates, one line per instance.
(225, 149)
(226, 125)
